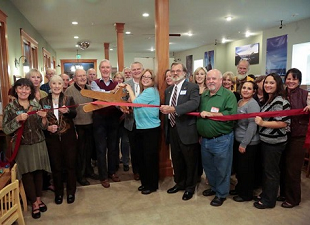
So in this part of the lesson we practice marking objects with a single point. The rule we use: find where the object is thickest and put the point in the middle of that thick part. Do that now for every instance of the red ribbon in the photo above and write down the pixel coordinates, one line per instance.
(292, 112)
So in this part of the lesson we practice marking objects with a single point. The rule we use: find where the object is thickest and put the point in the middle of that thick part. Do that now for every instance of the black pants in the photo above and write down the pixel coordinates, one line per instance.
(33, 183)
(62, 153)
(84, 150)
(106, 133)
(134, 142)
(245, 170)
(185, 161)
(271, 172)
(148, 157)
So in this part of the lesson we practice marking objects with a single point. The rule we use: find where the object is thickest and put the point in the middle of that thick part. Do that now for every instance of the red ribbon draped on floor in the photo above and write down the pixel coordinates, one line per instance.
(292, 112)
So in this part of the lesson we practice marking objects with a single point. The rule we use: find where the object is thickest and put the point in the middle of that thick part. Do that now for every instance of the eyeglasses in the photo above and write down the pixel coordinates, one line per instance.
(146, 78)
(176, 71)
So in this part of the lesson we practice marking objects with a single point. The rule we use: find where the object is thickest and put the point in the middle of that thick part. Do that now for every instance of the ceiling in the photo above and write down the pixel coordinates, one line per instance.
(205, 19)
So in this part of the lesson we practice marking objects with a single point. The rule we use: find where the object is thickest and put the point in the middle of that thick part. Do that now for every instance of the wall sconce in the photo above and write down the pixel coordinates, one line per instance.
(25, 64)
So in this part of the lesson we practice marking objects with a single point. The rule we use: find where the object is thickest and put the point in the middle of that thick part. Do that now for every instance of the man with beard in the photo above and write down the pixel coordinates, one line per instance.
(243, 68)
(180, 99)
(217, 137)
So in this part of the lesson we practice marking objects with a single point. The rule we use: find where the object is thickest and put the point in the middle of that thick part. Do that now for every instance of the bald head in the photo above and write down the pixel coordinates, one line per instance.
(214, 80)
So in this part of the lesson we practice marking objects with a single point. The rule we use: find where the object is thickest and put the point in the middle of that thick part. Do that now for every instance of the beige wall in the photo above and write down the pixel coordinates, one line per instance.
(298, 32)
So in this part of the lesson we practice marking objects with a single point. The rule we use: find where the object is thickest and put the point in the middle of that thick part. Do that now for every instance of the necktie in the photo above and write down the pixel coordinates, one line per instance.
(173, 103)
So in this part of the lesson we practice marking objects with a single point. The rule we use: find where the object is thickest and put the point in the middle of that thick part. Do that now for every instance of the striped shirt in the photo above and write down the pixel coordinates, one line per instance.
(270, 135)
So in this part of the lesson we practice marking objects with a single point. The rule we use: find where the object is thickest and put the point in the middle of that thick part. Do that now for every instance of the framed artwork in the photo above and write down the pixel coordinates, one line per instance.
(248, 52)
(209, 60)
(276, 55)
(68, 66)
(189, 64)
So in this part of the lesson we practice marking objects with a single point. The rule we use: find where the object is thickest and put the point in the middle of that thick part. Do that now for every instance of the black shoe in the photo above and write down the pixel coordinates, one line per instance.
(126, 168)
(43, 207)
(288, 205)
(280, 198)
(208, 192)
(187, 195)
(35, 213)
(58, 199)
(147, 191)
(233, 192)
(70, 199)
(141, 188)
(217, 201)
(83, 182)
(93, 176)
(260, 205)
(237, 198)
(174, 189)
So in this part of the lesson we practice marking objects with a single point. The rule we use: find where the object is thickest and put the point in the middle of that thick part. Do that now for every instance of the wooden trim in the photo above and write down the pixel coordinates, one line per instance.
(62, 61)
(4, 74)
(28, 38)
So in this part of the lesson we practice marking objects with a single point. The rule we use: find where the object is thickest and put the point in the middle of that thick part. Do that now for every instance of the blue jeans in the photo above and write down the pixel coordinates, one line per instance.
(216, 156)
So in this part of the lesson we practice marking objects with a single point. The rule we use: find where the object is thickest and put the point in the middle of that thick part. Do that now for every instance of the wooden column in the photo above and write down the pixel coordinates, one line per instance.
(119, 27)
(106, 50)
(161, 64)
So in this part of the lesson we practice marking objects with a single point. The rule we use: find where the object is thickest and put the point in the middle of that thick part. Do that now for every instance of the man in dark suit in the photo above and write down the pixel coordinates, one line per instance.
(181, 98)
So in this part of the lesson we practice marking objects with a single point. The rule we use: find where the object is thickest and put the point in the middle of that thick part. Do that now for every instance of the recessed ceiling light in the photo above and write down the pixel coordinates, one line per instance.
(111, 49)
(224, 40)
(76, 46)
(247, 34)
(228, 18)
(75, 23)
(76, 37)
(127, 32)
(145, 15)
(189, 34)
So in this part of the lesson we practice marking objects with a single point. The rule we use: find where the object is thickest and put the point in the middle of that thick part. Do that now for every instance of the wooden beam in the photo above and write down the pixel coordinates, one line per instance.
(161, 64)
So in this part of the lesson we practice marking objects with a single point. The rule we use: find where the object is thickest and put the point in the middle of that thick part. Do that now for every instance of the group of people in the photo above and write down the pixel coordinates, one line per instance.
(60, 138)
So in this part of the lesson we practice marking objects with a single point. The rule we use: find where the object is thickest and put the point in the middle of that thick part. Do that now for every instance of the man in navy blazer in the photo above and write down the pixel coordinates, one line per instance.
(183, 133)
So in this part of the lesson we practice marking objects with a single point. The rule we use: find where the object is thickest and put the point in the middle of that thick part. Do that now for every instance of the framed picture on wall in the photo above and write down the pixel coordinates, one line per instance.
(209, 60)
(68, 66)
(248, 52)
(276, 56)
(189, 64)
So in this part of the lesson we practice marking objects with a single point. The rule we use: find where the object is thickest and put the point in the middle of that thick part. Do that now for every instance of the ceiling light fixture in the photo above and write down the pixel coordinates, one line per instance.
(228, 18)
(76, 37)
(247, 34)
(75, 23)
(111, 49)
(152, 49)
(127, 32)
(83, 44)
(145, 15)
(224, 40)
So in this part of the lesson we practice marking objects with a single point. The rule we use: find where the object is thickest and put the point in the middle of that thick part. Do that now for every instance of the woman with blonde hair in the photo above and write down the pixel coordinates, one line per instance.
(229, 82)
(199, 78)
(36, 78)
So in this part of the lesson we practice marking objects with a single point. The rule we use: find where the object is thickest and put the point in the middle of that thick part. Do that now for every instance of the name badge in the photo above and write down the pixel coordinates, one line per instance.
(19, 112)
(183, 92)
(214, 109)
(47, 107)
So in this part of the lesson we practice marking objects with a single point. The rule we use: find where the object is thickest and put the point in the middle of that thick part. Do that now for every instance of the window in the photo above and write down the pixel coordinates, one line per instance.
(29, 49)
